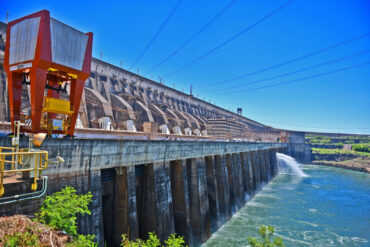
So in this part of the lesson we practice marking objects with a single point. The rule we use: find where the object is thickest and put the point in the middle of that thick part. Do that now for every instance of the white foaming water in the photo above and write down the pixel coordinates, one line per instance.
(289, 165)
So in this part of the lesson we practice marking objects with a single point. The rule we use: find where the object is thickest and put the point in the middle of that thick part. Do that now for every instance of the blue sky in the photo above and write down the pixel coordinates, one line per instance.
(333, 102)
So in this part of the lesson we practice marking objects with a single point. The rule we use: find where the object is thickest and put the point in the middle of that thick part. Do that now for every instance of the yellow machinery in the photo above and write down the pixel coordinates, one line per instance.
(27, 162)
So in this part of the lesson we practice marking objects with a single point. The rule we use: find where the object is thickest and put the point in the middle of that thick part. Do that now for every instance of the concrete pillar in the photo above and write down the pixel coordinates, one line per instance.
(94, 183)
(266, 166)
(245, 175)
(256, 170)
(268, 162)
(198, 199)
(262, 167)
(274, 162)
(125, 216)
(156, 213)
(248, 174)
(223, 187)
(229, 162)
(180, 198)
(212, 189)
(238, 180)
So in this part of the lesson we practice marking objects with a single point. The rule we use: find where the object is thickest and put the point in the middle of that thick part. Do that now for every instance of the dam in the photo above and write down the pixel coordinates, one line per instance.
(155, 159)
(188, 187)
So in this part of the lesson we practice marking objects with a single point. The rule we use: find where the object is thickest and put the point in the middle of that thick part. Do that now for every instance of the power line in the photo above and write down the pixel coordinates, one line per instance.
(301, 79)
(202, 29)
(293, 72)
(310, 54)
(224, 43)
(157, 33)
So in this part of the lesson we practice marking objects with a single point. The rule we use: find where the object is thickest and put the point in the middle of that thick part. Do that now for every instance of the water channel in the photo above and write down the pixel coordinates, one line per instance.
(323, 206)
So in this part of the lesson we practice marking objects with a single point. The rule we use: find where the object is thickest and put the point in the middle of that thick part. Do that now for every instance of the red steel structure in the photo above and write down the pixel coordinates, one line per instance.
(47, 55)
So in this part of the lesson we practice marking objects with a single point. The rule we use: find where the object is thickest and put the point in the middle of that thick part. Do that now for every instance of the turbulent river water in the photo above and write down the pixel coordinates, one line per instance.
(326, 207)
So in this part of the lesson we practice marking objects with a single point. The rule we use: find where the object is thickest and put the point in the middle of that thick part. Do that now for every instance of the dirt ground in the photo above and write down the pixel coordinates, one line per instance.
(21, 224)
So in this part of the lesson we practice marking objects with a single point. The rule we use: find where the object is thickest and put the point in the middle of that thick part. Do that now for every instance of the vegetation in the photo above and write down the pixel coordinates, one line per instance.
(153, 241)
(351, 152)
(266, 233)
(19, 230)
(20, 239)
(58, 212)
(337, 151)
(361, 148)
(83, 241)
(317, 139)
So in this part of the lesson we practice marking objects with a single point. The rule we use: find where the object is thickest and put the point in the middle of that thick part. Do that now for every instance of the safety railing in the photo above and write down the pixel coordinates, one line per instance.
(23, 161)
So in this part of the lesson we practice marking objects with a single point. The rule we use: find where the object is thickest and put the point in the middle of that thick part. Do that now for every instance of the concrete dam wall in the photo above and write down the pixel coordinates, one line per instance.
(115, 98)
(188, 187)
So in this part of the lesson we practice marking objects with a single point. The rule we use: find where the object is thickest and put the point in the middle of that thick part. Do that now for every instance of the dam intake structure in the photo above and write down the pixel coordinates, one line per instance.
(186, 187)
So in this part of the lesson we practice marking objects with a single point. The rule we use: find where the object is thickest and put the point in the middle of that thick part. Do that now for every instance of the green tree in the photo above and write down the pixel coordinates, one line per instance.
(60, 209)
(266, 233)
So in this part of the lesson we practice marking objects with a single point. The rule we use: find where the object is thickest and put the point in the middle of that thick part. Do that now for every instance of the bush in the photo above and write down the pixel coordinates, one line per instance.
(153, 241)
(266, 232)
(361, 148)
(20, 239)
(59, 210)
(83, 241)
(174, 241)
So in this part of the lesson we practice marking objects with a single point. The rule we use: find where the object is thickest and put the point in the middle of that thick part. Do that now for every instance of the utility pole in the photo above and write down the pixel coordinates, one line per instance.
(101, 55)
(121, 64)
(191, 89)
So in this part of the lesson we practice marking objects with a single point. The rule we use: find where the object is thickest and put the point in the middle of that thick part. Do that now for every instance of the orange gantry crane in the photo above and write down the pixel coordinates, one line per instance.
(52, 60)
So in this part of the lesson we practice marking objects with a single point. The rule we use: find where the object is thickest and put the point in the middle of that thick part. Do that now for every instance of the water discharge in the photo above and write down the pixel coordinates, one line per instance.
(288, 165)
(327, 207)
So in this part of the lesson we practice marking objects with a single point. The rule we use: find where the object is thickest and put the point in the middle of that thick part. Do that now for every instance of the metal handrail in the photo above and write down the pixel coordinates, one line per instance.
(38, 163)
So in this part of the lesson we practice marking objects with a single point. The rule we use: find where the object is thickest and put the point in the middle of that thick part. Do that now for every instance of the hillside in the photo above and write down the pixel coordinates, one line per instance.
(351, 152)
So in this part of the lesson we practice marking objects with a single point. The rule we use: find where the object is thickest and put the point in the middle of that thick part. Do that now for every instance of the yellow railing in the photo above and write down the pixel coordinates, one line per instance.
(23, 161)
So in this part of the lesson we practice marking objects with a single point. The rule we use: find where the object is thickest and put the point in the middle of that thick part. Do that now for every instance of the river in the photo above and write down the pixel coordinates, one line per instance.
(329, 207)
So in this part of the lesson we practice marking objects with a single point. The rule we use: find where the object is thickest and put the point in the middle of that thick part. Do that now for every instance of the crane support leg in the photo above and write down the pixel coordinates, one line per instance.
(38, 82)
(77, 87)
(15, 96)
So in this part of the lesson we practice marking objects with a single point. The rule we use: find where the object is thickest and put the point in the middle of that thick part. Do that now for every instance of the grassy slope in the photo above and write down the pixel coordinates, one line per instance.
(340, 157)
(338, 151)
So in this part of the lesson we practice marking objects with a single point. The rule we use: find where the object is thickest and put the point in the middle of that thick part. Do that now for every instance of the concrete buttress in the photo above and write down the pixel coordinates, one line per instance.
(125, 216)
(180, 199)
(156, 213)
(223, 187)
(198, 199)
(212, 188)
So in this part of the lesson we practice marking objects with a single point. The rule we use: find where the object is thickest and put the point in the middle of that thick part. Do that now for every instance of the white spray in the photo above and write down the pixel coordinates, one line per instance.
(289, 165)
